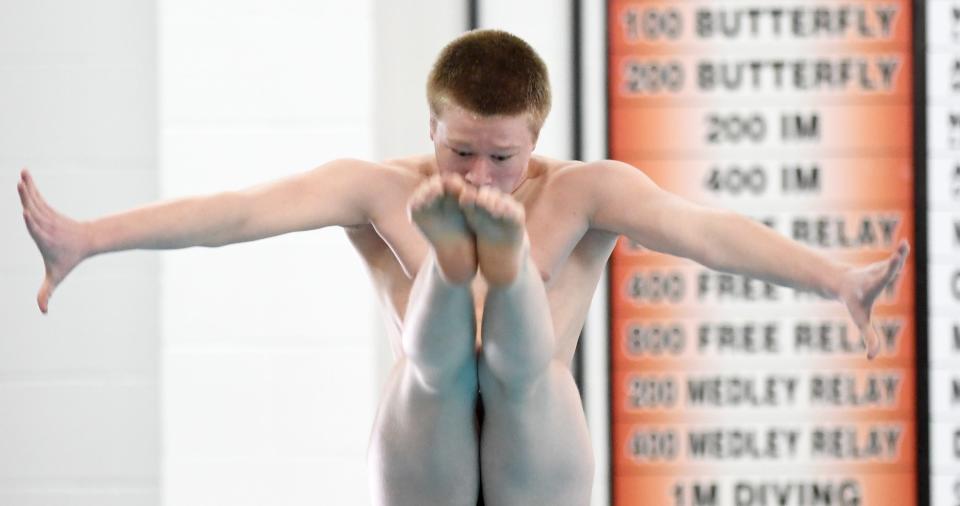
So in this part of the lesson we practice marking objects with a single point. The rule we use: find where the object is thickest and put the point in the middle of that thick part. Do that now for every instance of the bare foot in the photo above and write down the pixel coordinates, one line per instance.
(864, 285)
(499, 224)
(61, 241)
(435, 210)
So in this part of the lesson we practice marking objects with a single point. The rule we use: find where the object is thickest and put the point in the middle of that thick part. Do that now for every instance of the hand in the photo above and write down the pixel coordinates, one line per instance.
(863, 285)
(62, 242)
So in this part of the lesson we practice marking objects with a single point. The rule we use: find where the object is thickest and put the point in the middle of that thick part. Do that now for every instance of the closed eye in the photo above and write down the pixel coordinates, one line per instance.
(502, 158)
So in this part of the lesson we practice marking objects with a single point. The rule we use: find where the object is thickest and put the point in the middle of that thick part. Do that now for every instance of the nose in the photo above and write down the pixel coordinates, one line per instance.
(479, 172)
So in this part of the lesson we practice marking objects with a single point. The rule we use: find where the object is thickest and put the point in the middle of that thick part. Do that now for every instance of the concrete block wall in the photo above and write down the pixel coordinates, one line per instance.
(78, 387)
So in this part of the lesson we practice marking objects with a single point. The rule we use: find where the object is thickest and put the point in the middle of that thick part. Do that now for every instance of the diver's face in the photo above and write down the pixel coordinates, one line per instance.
(484, 150)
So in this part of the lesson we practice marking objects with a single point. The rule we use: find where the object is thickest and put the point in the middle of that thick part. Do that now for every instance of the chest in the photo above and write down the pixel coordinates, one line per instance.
(570, 261)
(393, 245)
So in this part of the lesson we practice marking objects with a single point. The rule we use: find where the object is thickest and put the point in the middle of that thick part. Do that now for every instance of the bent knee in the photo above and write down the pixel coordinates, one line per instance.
(458, 380)
(519, 383)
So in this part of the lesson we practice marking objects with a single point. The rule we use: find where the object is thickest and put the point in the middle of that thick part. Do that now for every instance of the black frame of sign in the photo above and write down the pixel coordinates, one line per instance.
(919, 254)
(576, 148)
(607, 104)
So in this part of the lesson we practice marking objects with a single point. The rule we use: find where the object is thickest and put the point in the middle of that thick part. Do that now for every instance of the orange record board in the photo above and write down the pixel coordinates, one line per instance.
(727, 390)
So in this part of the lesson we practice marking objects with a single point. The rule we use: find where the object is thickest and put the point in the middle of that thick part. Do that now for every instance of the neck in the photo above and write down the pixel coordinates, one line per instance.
(530, 171)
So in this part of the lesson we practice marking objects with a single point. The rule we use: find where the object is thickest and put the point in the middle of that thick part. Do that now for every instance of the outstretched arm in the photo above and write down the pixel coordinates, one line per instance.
(337, 193)
(627, 202)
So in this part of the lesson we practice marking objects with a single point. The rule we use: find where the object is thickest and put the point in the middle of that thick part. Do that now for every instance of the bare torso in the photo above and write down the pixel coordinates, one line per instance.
(569, 254)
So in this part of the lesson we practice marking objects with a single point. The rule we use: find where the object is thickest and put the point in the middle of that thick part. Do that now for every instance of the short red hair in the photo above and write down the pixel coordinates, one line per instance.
(490, 72)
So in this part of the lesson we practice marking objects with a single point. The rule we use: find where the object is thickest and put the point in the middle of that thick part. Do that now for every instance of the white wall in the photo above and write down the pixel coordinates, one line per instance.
(545, 25)
(408, 37)
(78, 387)
(269, 380)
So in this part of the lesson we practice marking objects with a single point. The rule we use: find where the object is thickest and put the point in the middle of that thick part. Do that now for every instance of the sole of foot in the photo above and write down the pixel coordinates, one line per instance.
(434, 208)
(498, 222)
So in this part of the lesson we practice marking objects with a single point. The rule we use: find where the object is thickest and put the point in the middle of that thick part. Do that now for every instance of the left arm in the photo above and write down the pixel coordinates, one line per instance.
(631, 204)
(626, 201)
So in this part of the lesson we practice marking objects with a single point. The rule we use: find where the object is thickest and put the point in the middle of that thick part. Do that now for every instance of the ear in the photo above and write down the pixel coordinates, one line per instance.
(433, 126)
(535, 132)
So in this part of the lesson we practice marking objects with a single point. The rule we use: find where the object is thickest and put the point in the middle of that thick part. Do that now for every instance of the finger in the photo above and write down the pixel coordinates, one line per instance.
(26, 196)
(39, 203)
(904, 248)
(36, 232)
(37, 223)
(28, 221)
(894, 265)
(31, 186)
(870, 340)
(861, 318)
(22, 191)
(43, 296)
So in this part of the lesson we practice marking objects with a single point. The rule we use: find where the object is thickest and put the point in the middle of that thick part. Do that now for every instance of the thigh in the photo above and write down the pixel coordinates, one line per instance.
(534, 445)
(424, 444)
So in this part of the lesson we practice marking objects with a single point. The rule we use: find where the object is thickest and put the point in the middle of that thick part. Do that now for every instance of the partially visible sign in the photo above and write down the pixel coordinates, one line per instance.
(732, 391)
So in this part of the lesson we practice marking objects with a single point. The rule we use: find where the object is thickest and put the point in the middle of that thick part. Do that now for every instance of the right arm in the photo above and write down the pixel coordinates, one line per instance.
(341, 192)
(330, 195)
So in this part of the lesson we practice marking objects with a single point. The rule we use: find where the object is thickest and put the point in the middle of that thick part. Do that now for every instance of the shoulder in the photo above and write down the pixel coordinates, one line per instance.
(597, 178)
(603, 191)
(591, 170)
(371, 189)
(414, 166)
(389, 171)
(368, 180)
